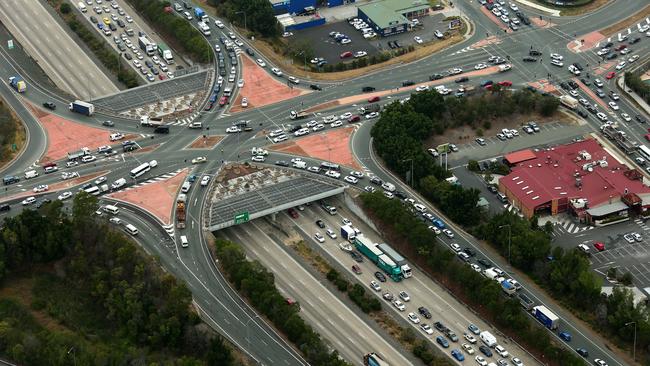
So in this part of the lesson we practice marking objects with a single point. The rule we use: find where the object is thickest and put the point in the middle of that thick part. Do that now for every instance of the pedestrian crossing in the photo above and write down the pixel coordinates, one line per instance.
(159, 178)
(571, 227)
(466, 49)
(639, 28)
(642, 224)
(185, 121)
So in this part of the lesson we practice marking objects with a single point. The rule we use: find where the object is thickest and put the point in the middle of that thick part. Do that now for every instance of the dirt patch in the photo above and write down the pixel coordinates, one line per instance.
(206, 143)
(333, 145)
(626, 23)
(544, 86)
(295, 69)
(466, 134)
(232, 171)
(20, 289)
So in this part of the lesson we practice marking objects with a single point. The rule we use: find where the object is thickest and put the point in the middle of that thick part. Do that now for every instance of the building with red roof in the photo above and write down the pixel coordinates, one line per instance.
(581, 178)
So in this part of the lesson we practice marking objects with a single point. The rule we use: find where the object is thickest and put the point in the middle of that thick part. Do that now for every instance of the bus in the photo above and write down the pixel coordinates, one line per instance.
(645, 152)
(143, 168)
(330, 166)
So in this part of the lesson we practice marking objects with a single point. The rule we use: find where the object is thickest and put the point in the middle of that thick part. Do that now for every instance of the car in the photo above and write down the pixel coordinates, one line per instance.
(457, 355)
(28, 201)
(356, 269)
(64, 196)
(421, 88)
(350, 179)
(199, 160)
(480, 66)
(517, 362)
(404, 296)
(413, 318)
(388, 296)
(426, 328)
(621, 65)
(448, 232)
(481, 141)
(614, 95)
(501, 351)
(418, 40)
(474, 329)
(582, 352)
(633, 59)
(424, 312)
(626, 117)
(244, 102)
(380, 276)
(276, 71)
(481, 361)
(637, 236)
(610, 75)
(485, 350)
(467, 348)
(88, 159)
(330, 233)
(399, 305)
(260, 62)
(372, 115)
(375, 286)
(258, 158)
(438, 34)
(613, 105)
(233, 129)
(442, 341)
(455, 247)
(319, 237)
(565, 336)
(470, 338)
(294, 80)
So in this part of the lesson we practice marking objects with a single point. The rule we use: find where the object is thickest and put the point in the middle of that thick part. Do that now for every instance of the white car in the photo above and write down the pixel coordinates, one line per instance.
(557, 63)
(413, 318)
(467, 348)
(633, 58)
(456, 71)
(276, 71)
(261, 62)
(455, 247)
(501, 351)
(601, 116)
(434, 229)
(421, 88)
(398, 304)
(359, 54)
(375, 286)
(240, 83)
(280, 138)
(318, 127)
(517, 362)
(319, 237)
(345, 115)
(372, 115)
(480, 66)
(100, 180)
(357, 174)
(626, 117)
(346, 41)
(448, 232)
(574, 93)
(404, 296)
(301, 132)
(258, 158)
(330, 119)
(199, 160)
(205, 180)
(470, 338)
(69, 175)
(330, 233)
(41, 188)
(417, 40)
(88, 159)
(621, 65)
(218, 23)
(333, 174)
(233, 129)
(244, 102)
(481, 361)
(294, 80)
(613, 105)
(603, 51)
(476, 267)
(350, 179)
(556, 56)
(28, 201)
(64, 196)
(514, 7)
(426, 328)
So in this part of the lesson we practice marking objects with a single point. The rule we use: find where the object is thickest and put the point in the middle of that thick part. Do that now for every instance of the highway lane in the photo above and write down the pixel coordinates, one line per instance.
(330, 317)
(50, 45)
(581, 335)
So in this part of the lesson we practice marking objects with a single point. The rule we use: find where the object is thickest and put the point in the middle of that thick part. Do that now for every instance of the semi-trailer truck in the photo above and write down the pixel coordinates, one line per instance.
(546, 317)
(200, 14)
(147, 45)
(18, 83)
(370, 250)
(370, 108)
(372, 359)
(82, 107)
(180, 211)
(151, 121)
(298, 114)
(397, 258)
(78, 154)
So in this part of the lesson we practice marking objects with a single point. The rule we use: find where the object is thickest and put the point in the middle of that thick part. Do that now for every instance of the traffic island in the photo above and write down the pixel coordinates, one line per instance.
(262, 89)
(53, 188)
(157, 197)
(331, 146)
(64, 135)
(205, 142)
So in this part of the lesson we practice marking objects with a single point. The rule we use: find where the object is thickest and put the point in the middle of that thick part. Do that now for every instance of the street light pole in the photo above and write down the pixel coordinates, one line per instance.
(509, 241)
(411, 160)
(243, 12)
(634, 347)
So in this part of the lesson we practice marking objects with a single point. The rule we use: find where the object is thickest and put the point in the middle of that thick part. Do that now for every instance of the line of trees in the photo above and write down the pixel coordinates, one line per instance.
(116, 305)
(10, 130)
(259, 15)
(255, 282)
(355, 292)
(398, 137)
(411, 235)
(634, 82)
(98, 46)
(178, 31)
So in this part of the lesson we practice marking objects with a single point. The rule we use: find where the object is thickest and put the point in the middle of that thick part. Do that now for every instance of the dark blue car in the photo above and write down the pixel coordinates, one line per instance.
(457, 355)
(442, 341)
(565, 336)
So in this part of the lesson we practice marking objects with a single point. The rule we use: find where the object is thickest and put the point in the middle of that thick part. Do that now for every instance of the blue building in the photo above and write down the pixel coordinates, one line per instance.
(292, 6)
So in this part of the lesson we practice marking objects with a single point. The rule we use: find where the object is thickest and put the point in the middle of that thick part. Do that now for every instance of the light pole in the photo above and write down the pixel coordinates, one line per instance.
(509, 238)
(634, 347)
(411, 160)
(243, 12)
(304, 57)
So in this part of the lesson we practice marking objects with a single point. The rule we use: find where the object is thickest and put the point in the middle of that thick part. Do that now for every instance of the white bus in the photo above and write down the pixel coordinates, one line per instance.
(645, 152)
(143, 168)
(94, 190)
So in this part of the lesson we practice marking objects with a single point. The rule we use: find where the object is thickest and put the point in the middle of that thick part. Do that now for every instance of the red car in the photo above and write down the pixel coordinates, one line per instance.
(621, 47)
(292, 212)
(356, 269)
(505, 83)
(354, 118)
(610, 75)
(373, 99)
(290, 301)
(208, 106)
(223, 101)
(162, 77)
(346, 54)
(599, 246)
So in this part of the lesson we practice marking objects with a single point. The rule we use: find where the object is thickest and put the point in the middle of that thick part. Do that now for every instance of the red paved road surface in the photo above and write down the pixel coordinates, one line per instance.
(64, 136)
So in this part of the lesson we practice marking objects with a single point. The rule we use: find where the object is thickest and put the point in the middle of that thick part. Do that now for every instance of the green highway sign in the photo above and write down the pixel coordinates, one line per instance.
(10, 44)
(443, 149)
(241, 218)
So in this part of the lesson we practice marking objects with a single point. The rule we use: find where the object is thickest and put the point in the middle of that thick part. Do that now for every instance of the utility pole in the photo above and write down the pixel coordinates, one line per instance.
(509, 241)
(634, 347)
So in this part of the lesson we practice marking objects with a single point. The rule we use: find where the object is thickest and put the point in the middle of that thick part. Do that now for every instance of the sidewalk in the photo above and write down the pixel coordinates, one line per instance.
(552, 12)
(620, 82)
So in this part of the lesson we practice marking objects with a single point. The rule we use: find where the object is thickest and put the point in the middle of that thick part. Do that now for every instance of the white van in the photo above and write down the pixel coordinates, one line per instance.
(118, 183)
(31, 174)
(131, 229)
(111, 209)
(196, 125)
(94, 190)
(184, 242)
(82, 7)
(153, 163)
(186, 187)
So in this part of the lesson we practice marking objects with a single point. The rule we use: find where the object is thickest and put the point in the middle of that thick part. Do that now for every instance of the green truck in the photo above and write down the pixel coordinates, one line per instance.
(372, 251)
(165, 53)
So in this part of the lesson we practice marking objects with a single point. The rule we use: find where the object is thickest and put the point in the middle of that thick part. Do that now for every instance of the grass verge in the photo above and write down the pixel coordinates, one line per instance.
(12, 134)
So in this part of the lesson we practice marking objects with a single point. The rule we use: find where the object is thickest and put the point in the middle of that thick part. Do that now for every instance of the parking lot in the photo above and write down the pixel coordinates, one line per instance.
(123, 27)
(326, 47)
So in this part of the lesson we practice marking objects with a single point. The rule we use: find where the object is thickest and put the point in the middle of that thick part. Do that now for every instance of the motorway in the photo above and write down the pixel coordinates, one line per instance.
(221, 306)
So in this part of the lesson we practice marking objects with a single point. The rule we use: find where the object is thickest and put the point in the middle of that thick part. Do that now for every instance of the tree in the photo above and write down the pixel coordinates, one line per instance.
(65, 8)
(472, 165)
